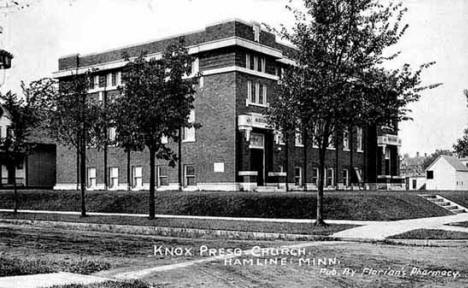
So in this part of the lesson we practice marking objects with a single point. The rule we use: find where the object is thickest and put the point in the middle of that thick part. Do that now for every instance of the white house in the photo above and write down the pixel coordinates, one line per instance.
(447, 173)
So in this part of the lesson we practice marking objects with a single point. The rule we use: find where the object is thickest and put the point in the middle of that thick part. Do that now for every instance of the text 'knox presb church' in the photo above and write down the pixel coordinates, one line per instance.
(234, 149)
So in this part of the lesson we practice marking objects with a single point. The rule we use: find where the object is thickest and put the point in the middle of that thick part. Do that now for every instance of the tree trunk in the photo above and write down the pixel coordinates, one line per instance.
(106, 182)
(128, 170)
(319, 220)
(151, 188)
(286, 159)
(337, 154)
(15, 189)
(351, 150)
(179, 163)
(78, 166)
(83, 175)
(304, 161)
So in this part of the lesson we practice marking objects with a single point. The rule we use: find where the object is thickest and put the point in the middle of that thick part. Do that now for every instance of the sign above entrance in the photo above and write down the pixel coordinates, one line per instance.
(253, 120)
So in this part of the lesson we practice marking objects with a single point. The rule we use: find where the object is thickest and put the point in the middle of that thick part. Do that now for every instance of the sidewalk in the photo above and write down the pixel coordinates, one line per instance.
(382, 230)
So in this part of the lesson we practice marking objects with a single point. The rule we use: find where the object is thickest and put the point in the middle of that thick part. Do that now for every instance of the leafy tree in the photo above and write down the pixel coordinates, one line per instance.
(282, 116)
(157, 100)
(429, 159)
(461, 147)
(72, 116)
(25, 115)
(340, 49)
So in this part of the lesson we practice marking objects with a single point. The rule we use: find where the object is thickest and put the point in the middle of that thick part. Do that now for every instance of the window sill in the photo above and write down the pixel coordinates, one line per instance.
(248, 103)
(360, 151)
(346, 149)
(188, 141)
(331, 148)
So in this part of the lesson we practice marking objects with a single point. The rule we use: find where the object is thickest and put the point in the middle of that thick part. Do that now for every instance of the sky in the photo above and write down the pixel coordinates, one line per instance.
(39, 34)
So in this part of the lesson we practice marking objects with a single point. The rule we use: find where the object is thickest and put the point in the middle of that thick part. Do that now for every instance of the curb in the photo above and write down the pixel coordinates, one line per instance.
(167, 231)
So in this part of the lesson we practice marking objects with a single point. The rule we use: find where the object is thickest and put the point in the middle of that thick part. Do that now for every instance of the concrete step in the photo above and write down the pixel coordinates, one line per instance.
(451, 207)
(445, 204)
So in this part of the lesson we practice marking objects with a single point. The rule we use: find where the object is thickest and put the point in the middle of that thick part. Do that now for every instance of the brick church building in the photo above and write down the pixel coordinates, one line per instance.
(234, 149)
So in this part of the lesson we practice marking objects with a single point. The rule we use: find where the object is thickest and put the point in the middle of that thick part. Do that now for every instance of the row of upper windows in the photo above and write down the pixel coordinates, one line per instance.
(256, 63)
(329, 176)
(188, 134)
(108, 80)
(331, 145)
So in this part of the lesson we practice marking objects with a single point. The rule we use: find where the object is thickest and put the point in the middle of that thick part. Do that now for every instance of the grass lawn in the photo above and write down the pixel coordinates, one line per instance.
(350, 205)
(436, 234)
(244, 226)
(462, 224)
(13, 266)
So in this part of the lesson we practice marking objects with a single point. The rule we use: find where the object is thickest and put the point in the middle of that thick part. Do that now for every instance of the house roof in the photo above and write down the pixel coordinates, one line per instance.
(453, 161)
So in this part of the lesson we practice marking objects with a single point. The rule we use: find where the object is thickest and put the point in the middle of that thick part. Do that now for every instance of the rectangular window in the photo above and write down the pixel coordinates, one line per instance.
(345, 177)
(360, 145)
(430, 174)
(257, 93)
(346, 140)
(298, 176)
(330, 177)
(91, 177)
(315, 175)
(195, 66)
(114, 177)
(188, 134)
(111, 134)
(247, 60)
(114, 79)
(91, 82)
(260, 94)
(255, 63)
(414, 183)
(256, 30)
(257, 141)
(331, 142)
(315, 138)
(119, 78)
(262, 64)
(250, 96)
(102, 81)
(299, 142)
(163, 179)
(279, 138)
(137, 179)
(190, 179)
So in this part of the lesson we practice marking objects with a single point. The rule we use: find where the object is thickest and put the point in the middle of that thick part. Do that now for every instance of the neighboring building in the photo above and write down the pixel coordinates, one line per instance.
(240, 64)
(35, 170)
(447, 173)
(412, 169)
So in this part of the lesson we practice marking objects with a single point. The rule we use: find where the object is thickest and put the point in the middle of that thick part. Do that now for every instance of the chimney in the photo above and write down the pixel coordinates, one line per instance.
(417, 154)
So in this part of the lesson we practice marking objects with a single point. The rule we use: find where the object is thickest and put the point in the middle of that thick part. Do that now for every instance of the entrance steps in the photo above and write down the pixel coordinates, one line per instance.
(445, 203)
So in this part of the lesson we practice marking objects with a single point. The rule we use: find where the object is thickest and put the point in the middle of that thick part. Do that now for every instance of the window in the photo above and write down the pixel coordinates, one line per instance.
(330, 177)
(256, 94)
(256, 30)
(255, 63)
(257, 141)
(102, 81)
(331, 142)
(190, 175)
(299, 142)
(247, 60)
(201, 81)
(91, 177)
(163, 179)
(359, 140)
(114, 78)
(195, 66)
(137, 179)
(414, 183)
(188, 134)
(279, 137)
(315, 176)
(262, 64)
(111, 134)
(91, 82)
(345, 176)
(315, 139)
(114, 177)
(298, 176)
(430, 174)
(346, 140)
